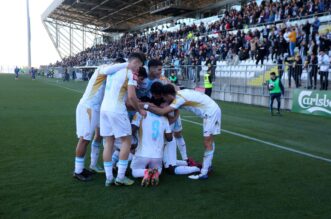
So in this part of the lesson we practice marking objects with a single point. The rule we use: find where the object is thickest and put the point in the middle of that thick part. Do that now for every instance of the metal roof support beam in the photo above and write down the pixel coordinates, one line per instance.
(121, 9)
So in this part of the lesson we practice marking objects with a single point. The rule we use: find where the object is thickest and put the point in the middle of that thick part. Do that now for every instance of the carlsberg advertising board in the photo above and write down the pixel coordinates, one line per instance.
(312, 102)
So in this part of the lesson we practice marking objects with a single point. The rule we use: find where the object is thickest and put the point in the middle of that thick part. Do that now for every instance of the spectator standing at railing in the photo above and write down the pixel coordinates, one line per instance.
(253, 46)
(324, 63)
(306, 30)
(280, 66)
(311, 65)
(173, 78)
(261, 52)
(297, 70)
(292, 40)
(316, 26)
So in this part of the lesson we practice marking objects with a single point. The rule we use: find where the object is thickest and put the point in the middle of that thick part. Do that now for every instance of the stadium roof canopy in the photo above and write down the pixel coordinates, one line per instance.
(120, 14)
(63, 17)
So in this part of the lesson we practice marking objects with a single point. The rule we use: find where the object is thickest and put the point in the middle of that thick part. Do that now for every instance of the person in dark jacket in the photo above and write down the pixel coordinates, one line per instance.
(311, 65)
(297, 70)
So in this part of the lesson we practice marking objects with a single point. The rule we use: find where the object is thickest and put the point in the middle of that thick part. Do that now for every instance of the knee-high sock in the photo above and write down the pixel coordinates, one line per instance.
(95, 150)
(108, 169)
(115, 157)
(122, 165)
(79, 164)
(182, 170)
(207, 160)
(182, 147)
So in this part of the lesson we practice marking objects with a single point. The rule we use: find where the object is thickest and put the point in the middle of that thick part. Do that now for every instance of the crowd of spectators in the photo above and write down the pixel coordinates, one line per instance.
(191, 45)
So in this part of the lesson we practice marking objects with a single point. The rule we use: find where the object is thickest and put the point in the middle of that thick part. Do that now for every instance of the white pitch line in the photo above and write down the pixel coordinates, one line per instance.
(57, 85)
(268, 143)
(240, 135)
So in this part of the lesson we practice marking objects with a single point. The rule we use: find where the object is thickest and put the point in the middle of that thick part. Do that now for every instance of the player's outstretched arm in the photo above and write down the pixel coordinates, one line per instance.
(160, 111)
(111, 69)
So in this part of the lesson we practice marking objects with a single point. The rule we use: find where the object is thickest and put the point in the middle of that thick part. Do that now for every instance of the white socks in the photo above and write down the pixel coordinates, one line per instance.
(95, 150)
(183, 170)
(79, 164)
(109, 170)
(122, 165)
(182, 147)
(115, 157)
(207, 160)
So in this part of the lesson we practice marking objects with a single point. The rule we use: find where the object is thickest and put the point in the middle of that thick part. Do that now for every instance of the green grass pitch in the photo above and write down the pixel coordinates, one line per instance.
(251, 179)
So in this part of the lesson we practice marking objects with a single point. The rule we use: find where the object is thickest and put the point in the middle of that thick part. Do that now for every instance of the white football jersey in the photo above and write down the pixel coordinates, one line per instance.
(151, 134)
(116, 91)
(94, 92)
(196, 102)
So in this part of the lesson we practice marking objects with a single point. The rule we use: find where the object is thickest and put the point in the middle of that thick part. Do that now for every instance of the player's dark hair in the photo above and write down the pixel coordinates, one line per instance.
(273, 73)
(154, 63)
(156, 102)
(119, 60)
(157, 88)
(142, 72)
(137, 55)
(168, 89)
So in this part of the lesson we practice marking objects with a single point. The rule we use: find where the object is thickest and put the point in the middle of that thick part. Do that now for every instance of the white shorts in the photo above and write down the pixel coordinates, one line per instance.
(144, 162)
(114, 124)
(212, 124)
(177, 125)
(87, 120)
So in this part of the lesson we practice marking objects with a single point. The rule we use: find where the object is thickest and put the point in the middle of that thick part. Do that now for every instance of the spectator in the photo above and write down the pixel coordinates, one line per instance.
(324, 63)
(316, 26)
(261, 53)
(292, 40)
(297, 70)
(311, 65)
(173, 78)
(306, 30)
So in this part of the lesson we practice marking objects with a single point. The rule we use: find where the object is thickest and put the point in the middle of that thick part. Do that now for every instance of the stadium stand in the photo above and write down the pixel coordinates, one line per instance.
(243, 45)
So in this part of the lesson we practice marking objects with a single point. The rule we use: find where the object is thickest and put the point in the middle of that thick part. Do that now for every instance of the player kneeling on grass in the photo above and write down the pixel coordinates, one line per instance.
(201, 105)
(152, 132)
(88, 119)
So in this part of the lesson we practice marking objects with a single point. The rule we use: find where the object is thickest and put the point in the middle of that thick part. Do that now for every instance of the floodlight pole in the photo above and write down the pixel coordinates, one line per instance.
(29, 33)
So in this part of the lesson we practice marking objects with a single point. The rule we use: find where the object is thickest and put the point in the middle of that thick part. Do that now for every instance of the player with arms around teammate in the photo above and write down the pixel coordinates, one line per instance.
(155, 75)
(152, 132)
(202, 106)
(114, 120)
(88, 118)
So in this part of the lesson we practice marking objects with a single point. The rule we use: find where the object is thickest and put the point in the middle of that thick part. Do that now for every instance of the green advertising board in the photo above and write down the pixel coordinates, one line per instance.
(312, 102)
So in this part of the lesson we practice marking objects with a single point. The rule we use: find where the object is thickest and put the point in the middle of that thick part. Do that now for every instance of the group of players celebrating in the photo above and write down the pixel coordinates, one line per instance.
(136, 114)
